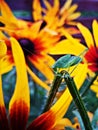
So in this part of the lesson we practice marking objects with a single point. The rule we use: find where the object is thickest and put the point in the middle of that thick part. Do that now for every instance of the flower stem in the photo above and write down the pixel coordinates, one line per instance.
(78, 101)
(56, 83)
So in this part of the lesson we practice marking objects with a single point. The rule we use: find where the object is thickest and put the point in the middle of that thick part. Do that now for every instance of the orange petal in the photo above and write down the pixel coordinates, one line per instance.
(20, 102)
(6, 14)
(43, 122)
(3, 119)
(37, 10)
(19, 115)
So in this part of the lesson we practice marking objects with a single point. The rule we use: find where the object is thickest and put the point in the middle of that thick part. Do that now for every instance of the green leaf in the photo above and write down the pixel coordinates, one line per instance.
(66, 61)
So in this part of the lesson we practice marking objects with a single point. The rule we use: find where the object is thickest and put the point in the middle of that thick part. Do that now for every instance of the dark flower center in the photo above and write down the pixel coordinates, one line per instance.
(27, 46)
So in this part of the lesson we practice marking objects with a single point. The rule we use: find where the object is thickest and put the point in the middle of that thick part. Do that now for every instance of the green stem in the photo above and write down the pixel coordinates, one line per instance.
(56, 83)
(85, 89)
(78, 101)
(89, 84)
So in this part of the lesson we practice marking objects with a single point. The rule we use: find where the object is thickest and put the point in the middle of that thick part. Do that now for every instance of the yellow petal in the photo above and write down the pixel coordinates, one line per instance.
(34, 28)
(21, 72)
(95, 31)
(62, 105)
(5, 64)
(70, 46)
(67, 47)
(3, 49)
(20, 102)
(56, 4)
(86, 34)
(65, 6)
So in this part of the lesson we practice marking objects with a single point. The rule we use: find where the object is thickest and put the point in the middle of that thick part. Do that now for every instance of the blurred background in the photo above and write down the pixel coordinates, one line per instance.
(88, 8)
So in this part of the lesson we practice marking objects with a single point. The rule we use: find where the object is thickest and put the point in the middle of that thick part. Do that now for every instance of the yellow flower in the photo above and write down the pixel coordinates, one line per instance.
(9, 62)
(35, 43)
(55, 16)
(19, 105)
